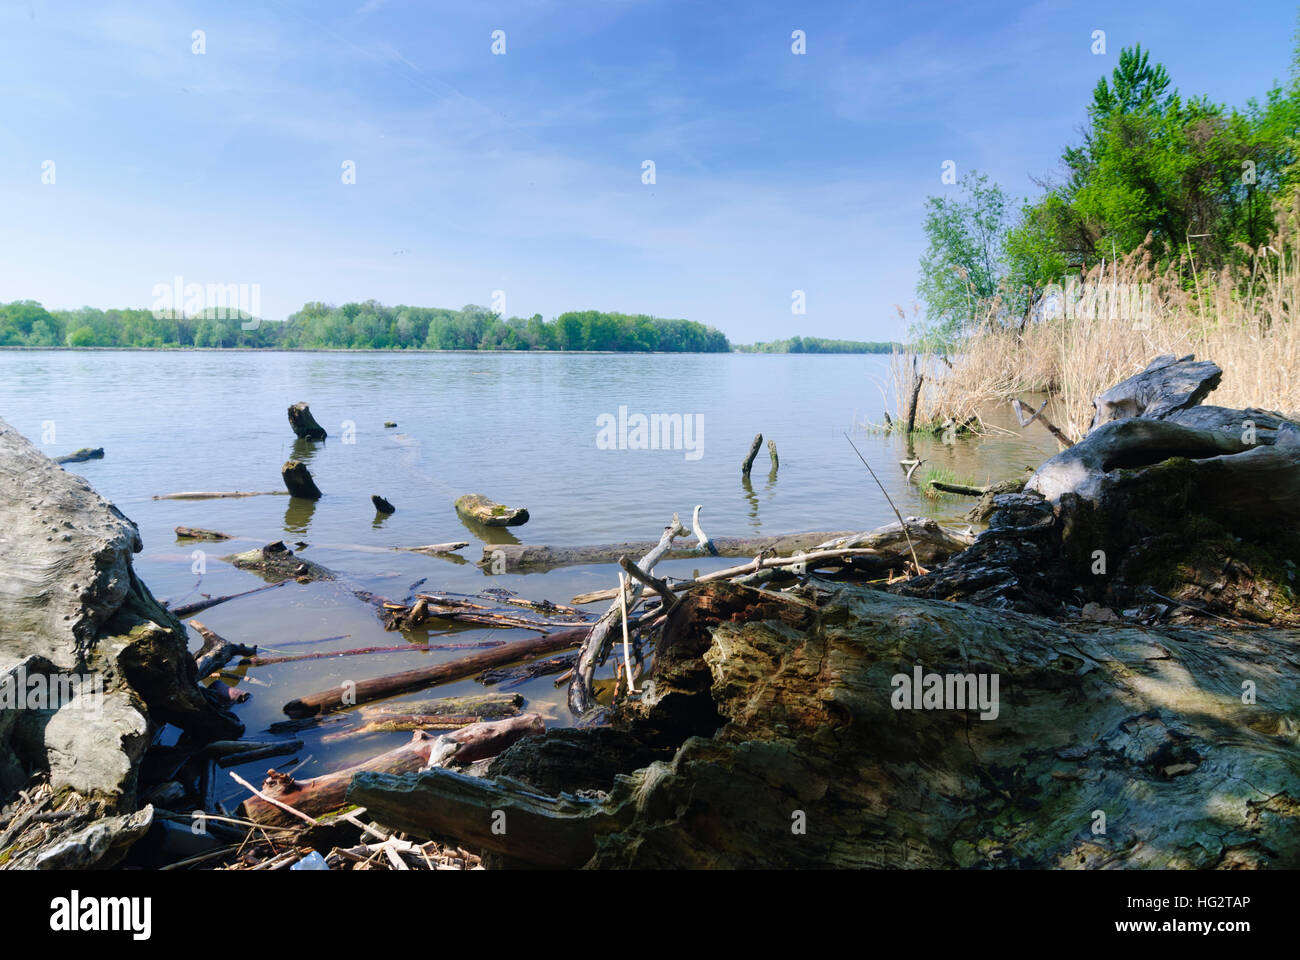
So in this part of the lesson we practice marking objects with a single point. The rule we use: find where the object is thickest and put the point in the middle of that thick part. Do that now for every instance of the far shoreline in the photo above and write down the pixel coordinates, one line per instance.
(401, 350)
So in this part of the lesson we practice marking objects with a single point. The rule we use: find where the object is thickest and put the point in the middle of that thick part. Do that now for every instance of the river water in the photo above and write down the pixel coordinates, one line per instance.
(535, 430)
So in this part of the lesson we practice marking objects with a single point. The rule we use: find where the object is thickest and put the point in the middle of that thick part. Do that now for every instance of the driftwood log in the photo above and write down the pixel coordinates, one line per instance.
(511, 557)
(304, 424)
(1197, 505)
(1103, 747)
(328, 792)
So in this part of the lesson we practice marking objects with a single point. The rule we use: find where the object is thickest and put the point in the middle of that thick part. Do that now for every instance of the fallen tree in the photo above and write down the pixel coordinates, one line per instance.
(762, 698)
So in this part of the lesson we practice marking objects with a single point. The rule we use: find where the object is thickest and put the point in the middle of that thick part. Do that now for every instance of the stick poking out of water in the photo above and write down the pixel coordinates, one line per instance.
(901, 521)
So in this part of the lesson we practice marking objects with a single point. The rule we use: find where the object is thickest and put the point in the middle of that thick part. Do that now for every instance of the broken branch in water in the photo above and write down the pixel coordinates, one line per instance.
(189, 609)
(1020, 408)
(216, 652)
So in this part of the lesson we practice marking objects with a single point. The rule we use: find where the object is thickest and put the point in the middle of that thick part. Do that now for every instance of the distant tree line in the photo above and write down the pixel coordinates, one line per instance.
(364, 326)
(817, 345)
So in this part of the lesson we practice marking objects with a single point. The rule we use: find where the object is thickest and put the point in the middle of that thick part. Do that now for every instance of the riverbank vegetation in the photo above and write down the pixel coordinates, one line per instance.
(357, 326)
(1174, 228)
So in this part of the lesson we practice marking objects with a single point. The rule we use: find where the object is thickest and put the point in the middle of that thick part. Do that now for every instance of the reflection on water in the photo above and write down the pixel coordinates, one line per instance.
(518, 428)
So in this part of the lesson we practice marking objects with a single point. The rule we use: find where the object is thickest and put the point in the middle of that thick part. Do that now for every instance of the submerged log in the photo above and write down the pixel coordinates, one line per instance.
(328, 792)
(436, 548)
(277, 562)
(297, 478)
(304, 424)
(1005, 765)
(508, 557)
(257, 661)
(198, 533)
(82, 455)
(480, 509)
(377, 688)
(382, 505)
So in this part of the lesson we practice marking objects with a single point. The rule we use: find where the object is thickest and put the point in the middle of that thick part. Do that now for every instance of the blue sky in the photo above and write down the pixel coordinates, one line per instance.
(522, 172)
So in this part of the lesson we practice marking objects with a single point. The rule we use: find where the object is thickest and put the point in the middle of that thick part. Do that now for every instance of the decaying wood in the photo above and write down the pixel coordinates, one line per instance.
(875, 552)
(277, 562)
(753, 452)
(377, 688)
(1147, 726)
(483, 706)
(229, 753)
(297, 478)
(82, 455)
(402, 616)
(198, 533)
(771, 450)
(216, 652)
(509, 557)
(304, 424)
(509, 676)
(328, 792)
(480, 509)
(382, 505)
(189, 609)
(402, 723)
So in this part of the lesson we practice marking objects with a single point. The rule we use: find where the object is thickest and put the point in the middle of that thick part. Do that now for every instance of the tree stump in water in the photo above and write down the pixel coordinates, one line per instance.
(298, 479)
(382, 505)
(304, 424)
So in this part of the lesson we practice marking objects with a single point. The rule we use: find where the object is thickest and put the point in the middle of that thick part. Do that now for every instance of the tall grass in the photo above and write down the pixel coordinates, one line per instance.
(1241, 318)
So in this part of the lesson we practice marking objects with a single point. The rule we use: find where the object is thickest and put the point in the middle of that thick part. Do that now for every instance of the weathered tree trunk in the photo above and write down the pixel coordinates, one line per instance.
(480, 509)
(767, 697)
(1166, 385)
(304, 424)
(297, 478)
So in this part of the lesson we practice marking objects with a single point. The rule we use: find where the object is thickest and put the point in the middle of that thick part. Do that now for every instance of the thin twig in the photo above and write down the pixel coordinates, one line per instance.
(901, 521)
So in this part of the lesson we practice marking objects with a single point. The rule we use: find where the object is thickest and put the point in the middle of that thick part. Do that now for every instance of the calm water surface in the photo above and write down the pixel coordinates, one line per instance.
(520, 428)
